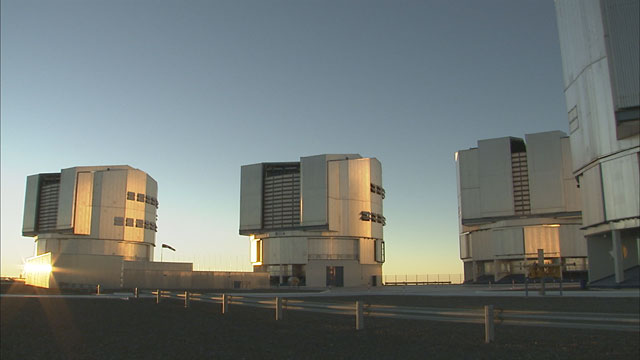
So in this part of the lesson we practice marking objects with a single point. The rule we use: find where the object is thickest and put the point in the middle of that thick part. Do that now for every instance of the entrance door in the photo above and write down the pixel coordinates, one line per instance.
(335, 276)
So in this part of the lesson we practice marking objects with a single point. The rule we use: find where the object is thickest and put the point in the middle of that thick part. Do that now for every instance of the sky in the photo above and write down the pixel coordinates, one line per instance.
(188, 91)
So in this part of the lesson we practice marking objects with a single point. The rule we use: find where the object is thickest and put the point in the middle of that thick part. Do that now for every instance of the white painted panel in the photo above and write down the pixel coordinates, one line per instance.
(507, 241)
(620, 183)
(572, 242)
(496, 183)
(481, 245)
(471, 203)
(572, 199)
(84, 203)
(465, 248)
(359, 180)
(542, 237)
(545, 166)
(367, 251)
(151, 211)
(30, 214)
(333, 248)
(581, 36)
(112, 194)
(591, 191)
(313, 184)
(468, 184)
(66, 199)
(285, 250)
(588, 82)
(251, 197)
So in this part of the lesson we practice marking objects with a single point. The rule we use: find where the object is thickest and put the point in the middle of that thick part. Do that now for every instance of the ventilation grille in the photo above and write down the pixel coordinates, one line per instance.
(281, 202)
(48, 203)
(520, 183)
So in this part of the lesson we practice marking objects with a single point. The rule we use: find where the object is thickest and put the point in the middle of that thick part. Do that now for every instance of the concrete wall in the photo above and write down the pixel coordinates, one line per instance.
(355, 274)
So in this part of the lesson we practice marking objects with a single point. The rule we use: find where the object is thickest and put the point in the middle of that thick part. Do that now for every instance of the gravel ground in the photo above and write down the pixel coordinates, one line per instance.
(34, 328)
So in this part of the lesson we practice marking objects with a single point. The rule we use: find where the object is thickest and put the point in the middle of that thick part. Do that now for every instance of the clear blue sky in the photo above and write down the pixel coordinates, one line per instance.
(189, 91)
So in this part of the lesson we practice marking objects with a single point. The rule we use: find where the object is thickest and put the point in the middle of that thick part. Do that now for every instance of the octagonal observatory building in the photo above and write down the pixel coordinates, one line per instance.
(86, 220)
(317, 222)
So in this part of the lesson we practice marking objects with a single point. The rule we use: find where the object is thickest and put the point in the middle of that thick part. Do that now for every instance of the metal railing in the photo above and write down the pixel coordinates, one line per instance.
(425, 279)
(489, 316)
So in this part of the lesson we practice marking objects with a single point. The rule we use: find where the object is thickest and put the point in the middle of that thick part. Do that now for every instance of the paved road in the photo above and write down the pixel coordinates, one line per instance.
(422, 290)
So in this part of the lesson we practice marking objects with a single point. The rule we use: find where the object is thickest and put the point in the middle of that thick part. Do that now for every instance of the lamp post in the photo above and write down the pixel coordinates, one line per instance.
(162, 250)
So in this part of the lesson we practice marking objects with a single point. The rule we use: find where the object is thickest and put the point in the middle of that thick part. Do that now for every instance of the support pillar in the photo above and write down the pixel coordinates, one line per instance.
(474, 271)
(618, 258)
(541, 266)
(359, 316)
(489, 334)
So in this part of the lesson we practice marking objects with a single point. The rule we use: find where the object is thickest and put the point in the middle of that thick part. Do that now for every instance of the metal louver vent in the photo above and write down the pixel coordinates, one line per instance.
(281, 202)
(48, 203)
(520, 175)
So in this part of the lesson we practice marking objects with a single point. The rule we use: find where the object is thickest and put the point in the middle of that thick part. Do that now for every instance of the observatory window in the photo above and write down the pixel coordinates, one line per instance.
(378, 190)
(140, 197)
(139, 223)
(118, 220)
(131, 195)
(147, 225)
(129, 222)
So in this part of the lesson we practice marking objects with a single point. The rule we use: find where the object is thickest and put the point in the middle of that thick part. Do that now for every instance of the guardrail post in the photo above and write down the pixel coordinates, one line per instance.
(135, 293)
(359, 316)
(98, 289)
(542, 289)
(158, 295)
(225, 304)
(186, 299)
(279, 314)
(488, 324)
(526, 287)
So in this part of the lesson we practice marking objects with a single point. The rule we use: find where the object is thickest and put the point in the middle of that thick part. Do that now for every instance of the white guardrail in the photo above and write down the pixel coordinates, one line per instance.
(489, 316)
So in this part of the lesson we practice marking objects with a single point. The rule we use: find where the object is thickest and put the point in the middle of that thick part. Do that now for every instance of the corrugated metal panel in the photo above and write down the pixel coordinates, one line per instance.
(507, 241)
(621, 21)
(251, 197)
(37, 270)
(281, 196)
(48, 202)
(542, 237)
(620, 183)
(29, 219)
(83, 206)
(592, 201)
(520, 176)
